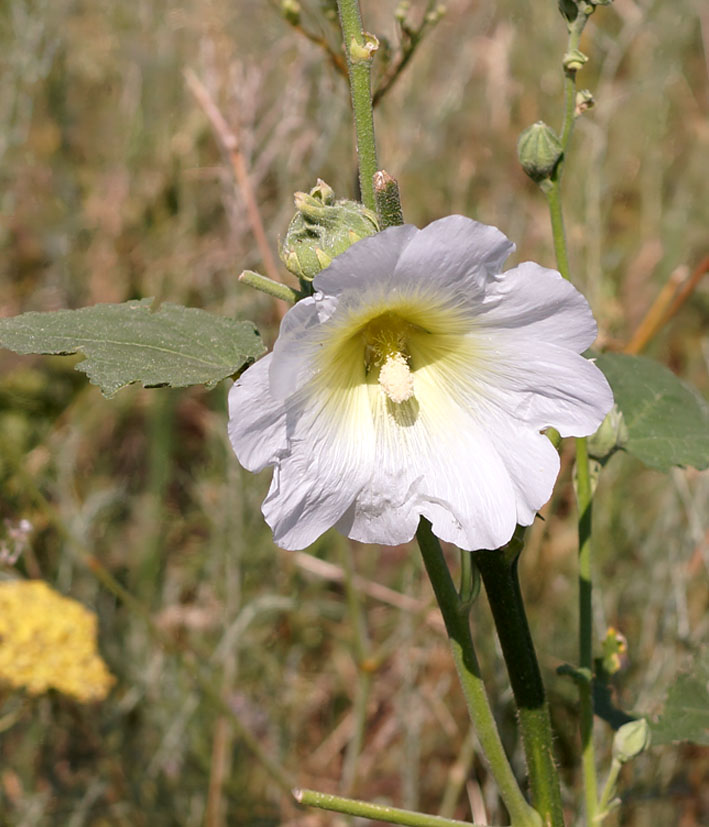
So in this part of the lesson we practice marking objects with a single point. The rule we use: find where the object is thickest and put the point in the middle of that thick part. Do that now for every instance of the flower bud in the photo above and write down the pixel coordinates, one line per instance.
(615, 651)
(584, 101)
(539, 150)
(612, 435)
(321, 229)
(574, 60)
(631, 739)
(362, 52)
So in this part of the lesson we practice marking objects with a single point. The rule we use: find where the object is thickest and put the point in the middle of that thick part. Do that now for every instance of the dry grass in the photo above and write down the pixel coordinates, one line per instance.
(113, 187)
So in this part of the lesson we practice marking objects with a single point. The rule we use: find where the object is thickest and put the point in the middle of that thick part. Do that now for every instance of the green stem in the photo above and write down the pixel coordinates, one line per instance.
(585, 503)
(608, 791)
(378, 812)
(273, 288)
(359, 65)
(584, 495)
(500, 576)
(457, 621)
(567, 128)
(552, 190)
(551, 187)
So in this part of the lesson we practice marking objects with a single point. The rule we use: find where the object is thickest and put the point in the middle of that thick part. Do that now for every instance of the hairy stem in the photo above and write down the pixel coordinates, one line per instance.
(500, 576)
(552, 191)
(272, 288)
(588, 758)
(457, 622)
(359, 65)
(391, 815)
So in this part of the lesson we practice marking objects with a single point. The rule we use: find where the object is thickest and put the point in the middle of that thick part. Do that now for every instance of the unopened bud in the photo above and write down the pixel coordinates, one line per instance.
(574, 60)
(631, 739)
(539, 150)
(584, 101)
(321, 229)
(361, 52)
(610, 437)
(615, 651)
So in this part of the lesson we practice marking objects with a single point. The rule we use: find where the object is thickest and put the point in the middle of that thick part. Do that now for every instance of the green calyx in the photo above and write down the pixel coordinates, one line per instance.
(539, 150)
(611, 436)
(322, 228)
(630, 740)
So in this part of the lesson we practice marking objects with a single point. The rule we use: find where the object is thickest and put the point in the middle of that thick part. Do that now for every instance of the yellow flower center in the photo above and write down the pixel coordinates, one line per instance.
(385, 350)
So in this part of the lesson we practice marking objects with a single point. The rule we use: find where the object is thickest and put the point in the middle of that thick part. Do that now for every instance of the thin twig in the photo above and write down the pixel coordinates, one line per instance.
(668, 302)
(230, 143)
(336, 59)
(330, 571)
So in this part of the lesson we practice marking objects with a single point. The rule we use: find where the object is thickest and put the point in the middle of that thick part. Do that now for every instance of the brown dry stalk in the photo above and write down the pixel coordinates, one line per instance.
(230, 142)
(669, 300)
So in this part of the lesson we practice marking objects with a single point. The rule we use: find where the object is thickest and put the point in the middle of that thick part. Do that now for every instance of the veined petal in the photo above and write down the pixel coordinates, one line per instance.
(558, 388)
(295, 349)
(325, 465)
(454, 254)
(537, 303)
(257, 421)
(370, 262)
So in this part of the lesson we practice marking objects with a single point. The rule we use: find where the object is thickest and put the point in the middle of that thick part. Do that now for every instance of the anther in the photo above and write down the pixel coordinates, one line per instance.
(396, 378)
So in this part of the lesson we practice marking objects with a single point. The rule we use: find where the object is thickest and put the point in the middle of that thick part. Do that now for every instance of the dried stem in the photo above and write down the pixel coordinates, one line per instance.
(228, 139)
(669, 300)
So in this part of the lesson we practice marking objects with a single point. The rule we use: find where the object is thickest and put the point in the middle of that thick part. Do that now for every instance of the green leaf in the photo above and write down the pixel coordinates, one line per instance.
(667, 420)
(686, 713)
(125, 343)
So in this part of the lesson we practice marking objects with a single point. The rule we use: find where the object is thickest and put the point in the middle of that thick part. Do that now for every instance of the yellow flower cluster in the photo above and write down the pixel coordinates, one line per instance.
(49, 642)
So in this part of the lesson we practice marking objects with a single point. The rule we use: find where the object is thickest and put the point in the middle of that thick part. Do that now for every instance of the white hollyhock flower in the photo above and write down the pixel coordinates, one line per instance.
(416, 381)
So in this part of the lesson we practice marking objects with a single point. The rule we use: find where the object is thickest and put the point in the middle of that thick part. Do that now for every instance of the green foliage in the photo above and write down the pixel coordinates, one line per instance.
(667, 421)
(125, 343)
(686, 713)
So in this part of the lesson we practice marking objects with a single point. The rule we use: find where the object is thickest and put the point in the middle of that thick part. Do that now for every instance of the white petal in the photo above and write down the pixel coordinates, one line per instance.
(455, 254)
(440, 463)
(257, 421)
(295, 349)
(368, 263)
(531, 461)
(539, 303)
(544, 385)
(325, 466)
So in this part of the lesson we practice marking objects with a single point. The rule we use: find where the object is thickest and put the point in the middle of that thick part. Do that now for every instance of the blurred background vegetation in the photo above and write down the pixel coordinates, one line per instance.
(113, 186)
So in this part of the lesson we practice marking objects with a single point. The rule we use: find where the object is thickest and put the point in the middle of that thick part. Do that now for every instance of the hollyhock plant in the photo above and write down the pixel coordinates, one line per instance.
(417, 381)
